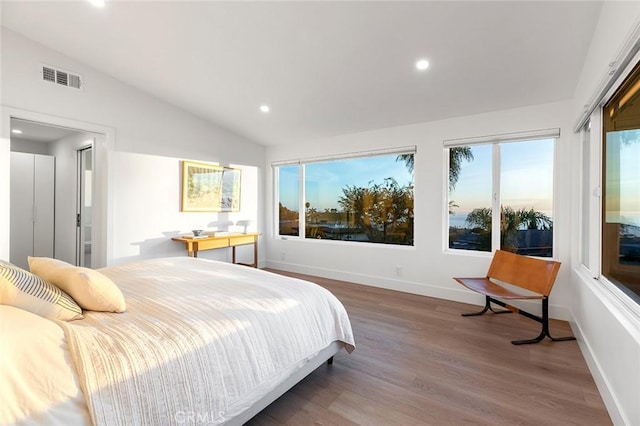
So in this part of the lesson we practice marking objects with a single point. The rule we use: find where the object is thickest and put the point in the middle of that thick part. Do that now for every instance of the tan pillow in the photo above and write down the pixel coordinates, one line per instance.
(30, 292)
(91, 289)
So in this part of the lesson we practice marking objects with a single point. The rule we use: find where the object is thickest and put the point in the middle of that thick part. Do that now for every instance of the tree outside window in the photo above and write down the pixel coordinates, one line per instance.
(512, 178)
(361, 199)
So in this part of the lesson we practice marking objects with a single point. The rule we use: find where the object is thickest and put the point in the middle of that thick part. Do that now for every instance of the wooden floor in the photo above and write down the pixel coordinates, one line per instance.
(418, 362)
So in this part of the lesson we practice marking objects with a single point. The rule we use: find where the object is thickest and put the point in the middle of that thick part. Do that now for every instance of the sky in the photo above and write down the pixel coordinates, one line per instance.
(324, 180)
(526, 179)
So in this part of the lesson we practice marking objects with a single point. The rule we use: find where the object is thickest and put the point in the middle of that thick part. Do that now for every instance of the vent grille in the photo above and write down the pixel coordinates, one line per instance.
(49, 74)
(74, 81)
(61, 77)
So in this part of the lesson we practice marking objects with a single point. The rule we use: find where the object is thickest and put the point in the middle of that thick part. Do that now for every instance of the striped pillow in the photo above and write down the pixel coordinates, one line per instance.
(27, 291)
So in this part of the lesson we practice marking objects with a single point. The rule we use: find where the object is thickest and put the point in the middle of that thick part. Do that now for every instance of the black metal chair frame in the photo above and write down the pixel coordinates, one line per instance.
(544, 319)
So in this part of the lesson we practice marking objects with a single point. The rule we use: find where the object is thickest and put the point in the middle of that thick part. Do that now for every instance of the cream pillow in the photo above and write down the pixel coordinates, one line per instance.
(30, 292)
(91, 289)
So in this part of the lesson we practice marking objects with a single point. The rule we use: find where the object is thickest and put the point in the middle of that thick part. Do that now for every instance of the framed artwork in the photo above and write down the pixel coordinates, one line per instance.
(210, 188)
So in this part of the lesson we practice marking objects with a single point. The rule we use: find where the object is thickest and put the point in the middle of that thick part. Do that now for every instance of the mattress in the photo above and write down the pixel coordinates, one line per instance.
(200, 340)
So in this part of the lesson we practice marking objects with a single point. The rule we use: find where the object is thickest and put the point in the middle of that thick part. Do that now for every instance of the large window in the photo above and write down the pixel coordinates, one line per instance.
(513, 177)
(360, 199)
(621, 187)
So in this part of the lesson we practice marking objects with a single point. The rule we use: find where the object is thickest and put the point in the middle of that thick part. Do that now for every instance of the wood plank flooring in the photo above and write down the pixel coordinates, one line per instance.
(418, 362)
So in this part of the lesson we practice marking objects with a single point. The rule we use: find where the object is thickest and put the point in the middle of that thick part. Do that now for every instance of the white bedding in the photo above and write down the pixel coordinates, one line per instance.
(200, 340)
(38, 384)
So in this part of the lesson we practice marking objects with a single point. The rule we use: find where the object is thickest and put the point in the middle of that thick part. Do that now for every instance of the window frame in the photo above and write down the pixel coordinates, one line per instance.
(594, 220)
(607, 289)
(302, 197)
(633, 71)
(496, 141)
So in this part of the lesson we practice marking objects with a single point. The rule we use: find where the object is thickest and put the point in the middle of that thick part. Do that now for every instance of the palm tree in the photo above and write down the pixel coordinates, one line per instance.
(408, 161)
(456, 155)
(481, 218)
(510, 222)
(532, 219)
(480, 221)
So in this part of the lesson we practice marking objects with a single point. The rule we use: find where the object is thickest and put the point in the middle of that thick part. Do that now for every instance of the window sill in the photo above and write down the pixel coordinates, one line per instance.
(613, 296)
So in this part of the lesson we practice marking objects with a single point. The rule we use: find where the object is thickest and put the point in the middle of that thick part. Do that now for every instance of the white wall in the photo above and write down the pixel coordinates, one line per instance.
(151, 216)
(607, 327)
(32, 147)
(142, 124)
(427, 269)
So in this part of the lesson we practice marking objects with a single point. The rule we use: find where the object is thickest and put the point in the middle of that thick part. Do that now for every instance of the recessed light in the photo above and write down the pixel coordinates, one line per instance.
(97, 3)
(422, 64)
(16, 131)
(265, 108)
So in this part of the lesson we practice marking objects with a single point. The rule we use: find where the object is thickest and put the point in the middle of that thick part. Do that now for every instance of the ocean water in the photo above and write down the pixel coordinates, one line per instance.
(458, 220)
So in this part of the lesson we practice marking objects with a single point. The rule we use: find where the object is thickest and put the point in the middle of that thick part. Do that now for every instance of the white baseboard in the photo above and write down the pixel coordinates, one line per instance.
(423, 289)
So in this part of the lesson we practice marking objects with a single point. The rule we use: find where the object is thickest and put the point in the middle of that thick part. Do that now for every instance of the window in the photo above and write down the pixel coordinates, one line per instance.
(621, 187)
(512, 175)
(366, 198)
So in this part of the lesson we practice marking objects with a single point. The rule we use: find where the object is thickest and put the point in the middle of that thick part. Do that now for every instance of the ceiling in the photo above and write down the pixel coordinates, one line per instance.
(38, 132)
(324, 68)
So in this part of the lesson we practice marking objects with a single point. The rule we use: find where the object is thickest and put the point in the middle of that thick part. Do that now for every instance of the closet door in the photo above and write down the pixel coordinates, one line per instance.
(44, 208)
(32, 206)
(22, 174)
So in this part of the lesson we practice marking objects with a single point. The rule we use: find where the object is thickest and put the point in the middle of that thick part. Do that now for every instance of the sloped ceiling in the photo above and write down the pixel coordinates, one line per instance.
(324, 68)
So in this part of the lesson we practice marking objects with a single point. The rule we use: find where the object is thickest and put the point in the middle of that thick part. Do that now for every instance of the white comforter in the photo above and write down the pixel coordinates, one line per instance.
(200, 339)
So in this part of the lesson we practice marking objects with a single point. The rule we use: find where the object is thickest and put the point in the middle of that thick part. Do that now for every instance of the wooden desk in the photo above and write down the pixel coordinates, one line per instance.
(193, 245)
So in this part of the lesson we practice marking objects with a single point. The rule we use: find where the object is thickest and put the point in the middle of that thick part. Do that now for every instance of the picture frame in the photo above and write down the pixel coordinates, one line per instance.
(210, 187)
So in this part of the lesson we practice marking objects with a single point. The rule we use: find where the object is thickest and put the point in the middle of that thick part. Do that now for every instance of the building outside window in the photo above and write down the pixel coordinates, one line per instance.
(362, 198)
(501, 193)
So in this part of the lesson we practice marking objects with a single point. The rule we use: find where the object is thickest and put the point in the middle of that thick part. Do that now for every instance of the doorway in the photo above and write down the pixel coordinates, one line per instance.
(104, 142)
(70, 150)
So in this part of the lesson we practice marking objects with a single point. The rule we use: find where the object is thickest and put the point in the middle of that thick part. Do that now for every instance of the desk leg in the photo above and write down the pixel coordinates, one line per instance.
(255, 255)
(255, 252)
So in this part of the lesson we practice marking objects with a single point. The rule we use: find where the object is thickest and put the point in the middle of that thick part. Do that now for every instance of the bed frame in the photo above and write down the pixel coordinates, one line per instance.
(325, 355)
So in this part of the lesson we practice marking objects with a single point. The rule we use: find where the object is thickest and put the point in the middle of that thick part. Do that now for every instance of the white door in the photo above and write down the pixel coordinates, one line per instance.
(32, 206)
(44, 205)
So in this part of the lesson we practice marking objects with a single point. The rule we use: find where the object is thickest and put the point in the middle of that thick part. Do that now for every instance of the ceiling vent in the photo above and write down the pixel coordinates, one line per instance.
(61, 77)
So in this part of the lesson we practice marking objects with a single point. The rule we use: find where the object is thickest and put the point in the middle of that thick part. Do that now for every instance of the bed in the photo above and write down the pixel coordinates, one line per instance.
(200, 342)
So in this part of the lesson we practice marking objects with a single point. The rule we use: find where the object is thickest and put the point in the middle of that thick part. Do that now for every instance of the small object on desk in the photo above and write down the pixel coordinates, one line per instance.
(197, 232)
